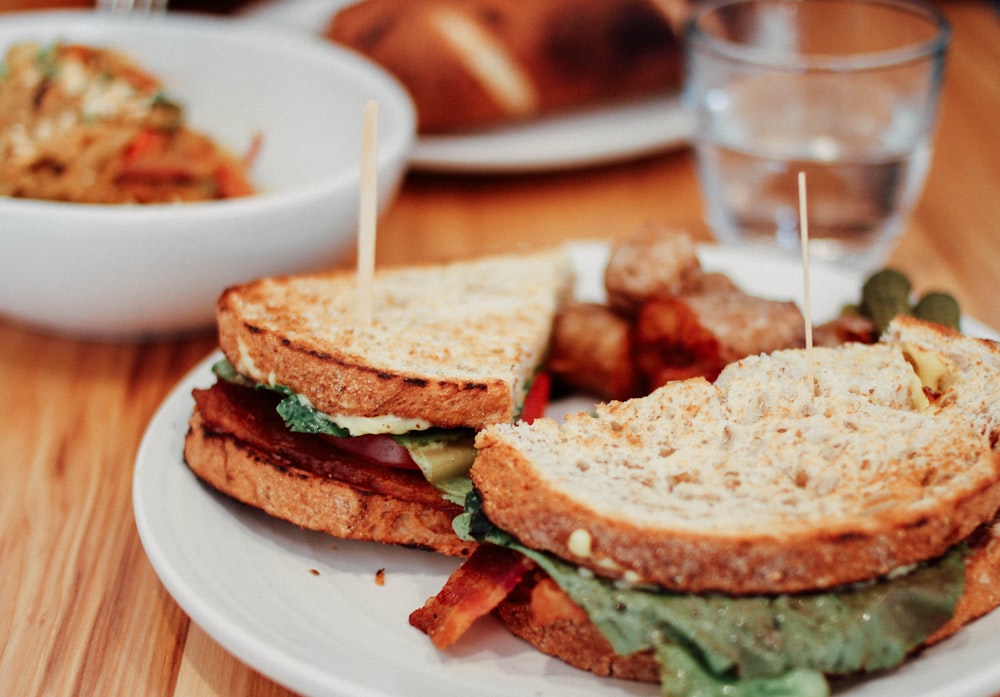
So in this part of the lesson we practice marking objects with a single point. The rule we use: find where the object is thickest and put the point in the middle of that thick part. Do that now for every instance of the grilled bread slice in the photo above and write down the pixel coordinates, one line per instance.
(454, 345)
(761, 482)
(238, 444)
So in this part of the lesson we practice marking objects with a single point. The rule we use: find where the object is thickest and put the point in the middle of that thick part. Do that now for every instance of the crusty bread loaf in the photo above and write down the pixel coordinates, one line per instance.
(474, 63)
(454, 345)
(758, 484)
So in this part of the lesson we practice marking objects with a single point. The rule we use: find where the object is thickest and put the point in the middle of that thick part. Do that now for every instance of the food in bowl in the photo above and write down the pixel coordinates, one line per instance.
(87, 124)
(138, 272)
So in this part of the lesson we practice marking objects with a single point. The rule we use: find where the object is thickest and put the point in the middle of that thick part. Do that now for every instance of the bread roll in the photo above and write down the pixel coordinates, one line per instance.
(470, 64)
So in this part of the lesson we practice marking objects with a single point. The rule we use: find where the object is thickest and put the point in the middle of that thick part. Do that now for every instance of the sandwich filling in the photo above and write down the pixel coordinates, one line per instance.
(443, 455)
(739, 646)
(756, 534)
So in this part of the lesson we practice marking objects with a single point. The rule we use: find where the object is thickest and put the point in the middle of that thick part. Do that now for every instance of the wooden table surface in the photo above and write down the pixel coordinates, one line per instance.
(81, 610)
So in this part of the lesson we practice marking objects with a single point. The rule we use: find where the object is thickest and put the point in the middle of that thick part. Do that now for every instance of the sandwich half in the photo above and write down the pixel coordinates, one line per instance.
(754, 535)
(358, 431)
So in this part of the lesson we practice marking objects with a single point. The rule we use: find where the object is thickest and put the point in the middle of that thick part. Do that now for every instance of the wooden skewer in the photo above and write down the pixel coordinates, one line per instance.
(806, 294)
(367, 214)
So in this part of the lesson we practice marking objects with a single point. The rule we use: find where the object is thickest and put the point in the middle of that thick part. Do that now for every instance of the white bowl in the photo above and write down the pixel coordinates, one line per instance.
(115, 272)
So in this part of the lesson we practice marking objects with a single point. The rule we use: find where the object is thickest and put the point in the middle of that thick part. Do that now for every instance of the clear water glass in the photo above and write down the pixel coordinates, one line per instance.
(845, 91)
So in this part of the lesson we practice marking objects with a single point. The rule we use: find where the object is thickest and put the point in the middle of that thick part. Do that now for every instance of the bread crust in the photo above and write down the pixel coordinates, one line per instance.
(522, 497)
(339, 384)
(570, 637)
(315, 502)
(981, 593)
(523, 503)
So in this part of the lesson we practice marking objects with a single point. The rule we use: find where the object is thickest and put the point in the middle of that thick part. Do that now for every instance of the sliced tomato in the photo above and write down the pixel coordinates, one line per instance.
(377, 448)
(384, 450)
(537, 398)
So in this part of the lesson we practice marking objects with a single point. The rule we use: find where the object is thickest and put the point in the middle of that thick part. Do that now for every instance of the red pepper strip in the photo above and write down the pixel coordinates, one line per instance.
(146, 142)
(230, 182)
(537, 398)
(475, 589)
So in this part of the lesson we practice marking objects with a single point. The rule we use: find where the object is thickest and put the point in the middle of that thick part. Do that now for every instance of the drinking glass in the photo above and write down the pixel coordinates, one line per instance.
(844, 91)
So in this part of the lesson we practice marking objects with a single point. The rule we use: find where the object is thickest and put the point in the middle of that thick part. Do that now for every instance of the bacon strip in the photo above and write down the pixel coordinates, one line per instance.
(249, 416)
(474, 590)
(550, 604)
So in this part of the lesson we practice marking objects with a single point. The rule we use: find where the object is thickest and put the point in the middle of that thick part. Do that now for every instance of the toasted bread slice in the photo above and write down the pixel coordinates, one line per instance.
(314, 502)
(981, 593)
(237, 443)
(541, 613)
(454, 345)
(757, 483)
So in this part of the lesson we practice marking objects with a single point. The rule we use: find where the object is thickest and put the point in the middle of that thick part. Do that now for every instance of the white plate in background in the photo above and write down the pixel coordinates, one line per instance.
(583, 138)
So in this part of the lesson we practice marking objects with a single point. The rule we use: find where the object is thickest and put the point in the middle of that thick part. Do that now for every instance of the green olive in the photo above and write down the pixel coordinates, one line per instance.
(885, 295)
(938, 307)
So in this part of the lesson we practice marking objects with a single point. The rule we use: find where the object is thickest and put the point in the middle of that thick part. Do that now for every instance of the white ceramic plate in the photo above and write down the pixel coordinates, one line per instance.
(306, 610)
(578, 139)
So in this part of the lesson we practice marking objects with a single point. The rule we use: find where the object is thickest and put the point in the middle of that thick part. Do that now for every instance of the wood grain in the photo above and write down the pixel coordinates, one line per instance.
(81, 611)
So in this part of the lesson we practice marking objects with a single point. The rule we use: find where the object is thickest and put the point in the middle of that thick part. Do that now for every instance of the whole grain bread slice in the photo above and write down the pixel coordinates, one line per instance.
(238, 444)
(315, 502)
(757, 483)
(454, 345)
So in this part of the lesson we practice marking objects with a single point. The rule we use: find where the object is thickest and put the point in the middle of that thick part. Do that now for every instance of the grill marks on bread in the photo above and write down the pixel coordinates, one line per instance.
(238, 444)
(454, 344)
(754, 484)
(392, 383)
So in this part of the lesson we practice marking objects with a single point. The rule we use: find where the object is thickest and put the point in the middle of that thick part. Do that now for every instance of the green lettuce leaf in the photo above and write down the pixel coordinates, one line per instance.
(302, 417)
(442, 454)
(224, 370)
(299, 415)
(683, 676)
(755, 645)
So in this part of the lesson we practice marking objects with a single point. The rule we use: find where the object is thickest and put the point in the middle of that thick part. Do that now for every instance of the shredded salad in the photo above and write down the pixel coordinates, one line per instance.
(88, 125)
